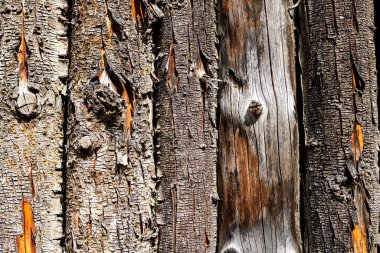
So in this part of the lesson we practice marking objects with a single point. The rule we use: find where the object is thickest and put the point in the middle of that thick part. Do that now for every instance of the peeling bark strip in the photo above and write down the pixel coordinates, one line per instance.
(341, 193)
(186, 150)
(258, 139)
(33, 59)
(110, 189)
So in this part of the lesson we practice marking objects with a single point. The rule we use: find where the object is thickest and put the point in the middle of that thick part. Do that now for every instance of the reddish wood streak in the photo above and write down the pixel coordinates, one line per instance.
(22, 53)
(26, 242)
(137, 10)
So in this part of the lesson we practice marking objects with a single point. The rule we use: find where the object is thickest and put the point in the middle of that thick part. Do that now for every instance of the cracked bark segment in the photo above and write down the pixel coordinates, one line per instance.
(186, 147)
(341, 122)
(258, 137)
(31, 149)
(110, 189)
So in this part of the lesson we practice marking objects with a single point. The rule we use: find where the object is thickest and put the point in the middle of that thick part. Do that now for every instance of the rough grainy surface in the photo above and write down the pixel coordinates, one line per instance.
(31, 141)
(341, 192)
(111, 172)
(186, 131)
(258, 140)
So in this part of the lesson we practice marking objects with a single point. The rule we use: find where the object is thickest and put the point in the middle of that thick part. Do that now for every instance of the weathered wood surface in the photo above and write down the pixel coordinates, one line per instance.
(258, 140)
(33, 61)
(341, 192)
(186, 126)
(111, 172)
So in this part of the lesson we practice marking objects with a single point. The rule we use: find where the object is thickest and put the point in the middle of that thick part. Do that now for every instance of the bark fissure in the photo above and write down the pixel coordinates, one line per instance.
(297, 19)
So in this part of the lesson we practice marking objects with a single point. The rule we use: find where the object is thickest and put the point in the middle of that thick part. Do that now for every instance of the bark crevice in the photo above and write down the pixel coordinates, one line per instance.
(65, 107)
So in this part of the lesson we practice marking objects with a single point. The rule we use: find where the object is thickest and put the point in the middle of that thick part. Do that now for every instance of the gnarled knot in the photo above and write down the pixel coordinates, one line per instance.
(105, 103)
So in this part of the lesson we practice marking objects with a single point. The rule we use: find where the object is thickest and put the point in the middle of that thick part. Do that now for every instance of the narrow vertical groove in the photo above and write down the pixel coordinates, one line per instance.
(377, 50)
(65, 105)
(300, 103)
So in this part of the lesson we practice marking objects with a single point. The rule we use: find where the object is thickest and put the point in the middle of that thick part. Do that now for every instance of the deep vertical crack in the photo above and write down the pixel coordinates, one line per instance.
(301, 128)
(65, 103)
(377, 49)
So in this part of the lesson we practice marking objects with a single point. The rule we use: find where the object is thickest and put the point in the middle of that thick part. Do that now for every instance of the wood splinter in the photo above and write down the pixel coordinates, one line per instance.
(26, 242)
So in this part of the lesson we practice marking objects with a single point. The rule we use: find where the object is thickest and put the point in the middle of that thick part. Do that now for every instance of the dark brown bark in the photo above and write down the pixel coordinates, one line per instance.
(186, 127)
(258, 139)
(341, 192)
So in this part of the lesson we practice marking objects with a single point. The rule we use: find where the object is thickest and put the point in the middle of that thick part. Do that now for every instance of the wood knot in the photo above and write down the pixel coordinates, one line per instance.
(231, 249)
(27, 105)
(85, 143)
(255, 109)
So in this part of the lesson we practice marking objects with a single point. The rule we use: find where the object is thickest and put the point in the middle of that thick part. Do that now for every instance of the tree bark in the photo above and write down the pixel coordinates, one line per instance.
(133, 87)
(186, 126)
(258, 143)
(111, 171)
(33, 62)
(341, 192)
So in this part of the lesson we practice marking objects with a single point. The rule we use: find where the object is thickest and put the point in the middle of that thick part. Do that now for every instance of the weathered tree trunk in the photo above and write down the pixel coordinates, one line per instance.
(341, 192)
(33, 61)
(111, 171)
(259, 171)
(186, 127)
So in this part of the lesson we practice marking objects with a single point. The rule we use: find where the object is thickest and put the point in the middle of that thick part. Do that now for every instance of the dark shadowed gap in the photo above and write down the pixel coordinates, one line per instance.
(219, 17)
(301, 128)
(157, 28)
(377, 47)
(65, 103)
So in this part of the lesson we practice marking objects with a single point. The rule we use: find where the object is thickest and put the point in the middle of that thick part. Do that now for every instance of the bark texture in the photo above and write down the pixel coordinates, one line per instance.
(341, 192)
(111, 172)
(33, 61)
(186, 126)
(258, 140)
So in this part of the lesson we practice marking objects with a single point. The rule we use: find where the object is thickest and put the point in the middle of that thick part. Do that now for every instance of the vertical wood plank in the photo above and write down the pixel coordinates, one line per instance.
(258, 140)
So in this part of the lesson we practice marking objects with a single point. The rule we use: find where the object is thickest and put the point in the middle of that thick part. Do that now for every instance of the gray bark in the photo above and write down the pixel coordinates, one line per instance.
(258, 139)
(341, 192)
(111, 171)
(186, 131)
(33, 61)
